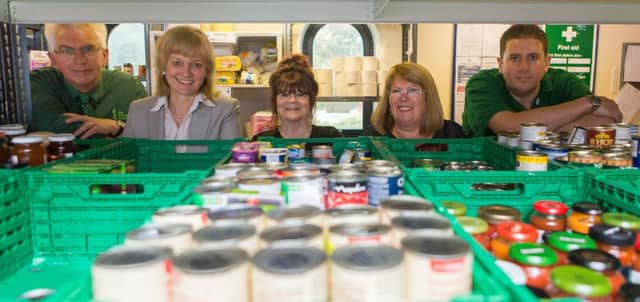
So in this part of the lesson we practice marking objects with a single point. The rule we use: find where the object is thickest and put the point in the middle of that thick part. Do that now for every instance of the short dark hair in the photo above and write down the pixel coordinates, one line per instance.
(291, 80)
(524, 31)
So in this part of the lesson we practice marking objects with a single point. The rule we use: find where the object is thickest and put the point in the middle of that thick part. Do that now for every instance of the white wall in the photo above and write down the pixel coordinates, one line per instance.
(435, 52)
(610, 56)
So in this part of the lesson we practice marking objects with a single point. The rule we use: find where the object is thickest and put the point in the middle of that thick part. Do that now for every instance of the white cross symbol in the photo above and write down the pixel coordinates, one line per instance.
(569, 34)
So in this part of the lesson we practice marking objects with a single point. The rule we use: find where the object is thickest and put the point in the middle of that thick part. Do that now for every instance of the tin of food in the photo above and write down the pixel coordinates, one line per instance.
(255, 172)
(240, 235)
(531, 161)
(237, 213)
(245, 152)
(402, 204)
(352, 233)
(428, 164)
(175, 236)
(274, 155)
(295, 215)
(269, 186)
(351, 213)
(304, 190)
(532, 132)
(346, 187)
(211, 191)
(428, 224)
(184, 214)
(599, 137)
(286, 235)
(322, 151)
(504, 135)
(382, 182)
(230, 169)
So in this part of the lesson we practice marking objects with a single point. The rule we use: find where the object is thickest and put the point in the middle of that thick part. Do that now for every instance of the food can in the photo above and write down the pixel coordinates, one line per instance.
(237, 213)
(635, 150)
(304, 190)
(245, 152)
(289, 274)
(322, 151)
(428, 164)
(230, 169)
(346, 187)
(350, 213)
(287, 235)
(323, 161)
(352, 233)
(552, 150)
(438, 268)
(579, 147)
(201, 272)
(238, 235)
(269, 186)
(428, 224)
(623, 132)
(274, 155)
(599, 137)
(526, 145)
(126, 273)
(584, 157)
(616, 159)
(185, 214)
(578, 136)
(255, 172)
(504, 134)
(383, 182)
(301, 169)
(211, 191)
(532, 131)
(175, 236)
(295, 215)
(296, 151)
(378, 163)
(531, 161)
(403, 204)
(365, 272)
(624, 148)
(513, 140)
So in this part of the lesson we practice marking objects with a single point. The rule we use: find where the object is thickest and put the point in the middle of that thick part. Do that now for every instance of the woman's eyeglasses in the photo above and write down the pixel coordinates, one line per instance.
(296, 94)
(411, 91)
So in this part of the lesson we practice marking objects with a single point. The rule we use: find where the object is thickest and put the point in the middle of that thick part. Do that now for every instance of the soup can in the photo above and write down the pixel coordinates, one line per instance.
(532, 132)
(383, 182)
(200, 272)
(185, 214)
(428, 164)
(365, 272)
(322, 151)
(635, 150)
(230, 169)
(255, 172)
(430, 224)
(353, 233)
(599, 137)
(396, 205)
(237, 213)
(292, 215)
(245, 152)
(552, 150)
(274, 155)
(513, 140)
(346, 187)
(304, 190)
(239, 235)
(531, 161)
(287, 235)
(269, 186)
(351, 213)
(296, 151)
(578, 136)
(175, 236)
(504, 135)
(211, 191)
(623, 132)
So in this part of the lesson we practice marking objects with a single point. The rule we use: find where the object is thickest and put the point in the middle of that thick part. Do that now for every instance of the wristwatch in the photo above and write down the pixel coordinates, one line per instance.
(121, 125)
(595, 101)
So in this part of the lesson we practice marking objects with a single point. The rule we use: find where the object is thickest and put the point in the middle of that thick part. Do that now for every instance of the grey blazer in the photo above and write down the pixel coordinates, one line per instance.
(217, 122)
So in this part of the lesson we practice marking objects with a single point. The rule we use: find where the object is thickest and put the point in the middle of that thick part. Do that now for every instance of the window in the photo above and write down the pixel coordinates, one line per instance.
(126, 46)
(323, 42)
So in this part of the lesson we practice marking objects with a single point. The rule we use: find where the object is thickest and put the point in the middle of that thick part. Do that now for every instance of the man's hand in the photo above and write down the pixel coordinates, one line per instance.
(608, 108)
(92, 125)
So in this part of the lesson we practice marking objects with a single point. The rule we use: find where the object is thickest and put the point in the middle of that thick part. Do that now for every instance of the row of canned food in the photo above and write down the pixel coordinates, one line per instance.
(402, 251)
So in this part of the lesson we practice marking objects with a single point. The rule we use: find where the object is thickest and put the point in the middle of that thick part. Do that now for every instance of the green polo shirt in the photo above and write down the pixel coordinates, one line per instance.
(487, 94)
(51, 96)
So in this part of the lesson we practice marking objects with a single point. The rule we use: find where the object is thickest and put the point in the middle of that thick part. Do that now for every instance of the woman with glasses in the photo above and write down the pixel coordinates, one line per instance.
(185, 104)
(410, 106)
(293, 99)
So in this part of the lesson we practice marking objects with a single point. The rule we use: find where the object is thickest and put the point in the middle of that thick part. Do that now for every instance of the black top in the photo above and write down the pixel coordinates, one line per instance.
(450, 129)
(316, 131)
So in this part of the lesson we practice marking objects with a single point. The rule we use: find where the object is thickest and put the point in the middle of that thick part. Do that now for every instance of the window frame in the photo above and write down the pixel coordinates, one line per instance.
(313, 29)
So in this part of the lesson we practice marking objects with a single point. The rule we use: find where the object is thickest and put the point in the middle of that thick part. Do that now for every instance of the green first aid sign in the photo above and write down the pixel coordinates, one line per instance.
(571, 47)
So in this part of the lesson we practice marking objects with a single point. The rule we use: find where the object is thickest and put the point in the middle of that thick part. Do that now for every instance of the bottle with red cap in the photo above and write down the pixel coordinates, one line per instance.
(548, 216)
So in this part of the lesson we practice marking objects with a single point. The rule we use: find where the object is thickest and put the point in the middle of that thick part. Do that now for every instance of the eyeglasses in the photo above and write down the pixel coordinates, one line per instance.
(87, 51)
(411, 91)
(297, 94)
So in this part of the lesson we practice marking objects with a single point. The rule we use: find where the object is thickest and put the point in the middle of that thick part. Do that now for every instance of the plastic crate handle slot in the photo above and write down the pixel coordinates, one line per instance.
(190, 149)
(497, 187)
(96, 189)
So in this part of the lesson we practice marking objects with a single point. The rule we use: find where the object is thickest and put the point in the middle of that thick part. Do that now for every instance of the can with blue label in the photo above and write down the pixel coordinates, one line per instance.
(553, 150)
(382, 182)
(635, 150)
(273, 155)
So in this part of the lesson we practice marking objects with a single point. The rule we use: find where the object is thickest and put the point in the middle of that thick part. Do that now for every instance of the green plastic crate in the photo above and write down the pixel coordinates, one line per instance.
(338, 144)
(621, 184)
(568, 186)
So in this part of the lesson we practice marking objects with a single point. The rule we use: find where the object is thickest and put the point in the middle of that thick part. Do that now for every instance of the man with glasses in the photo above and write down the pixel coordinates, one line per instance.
(76, 94)
(524, 89)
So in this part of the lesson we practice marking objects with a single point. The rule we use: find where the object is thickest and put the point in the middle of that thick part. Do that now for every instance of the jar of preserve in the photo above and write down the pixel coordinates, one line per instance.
(583, 216)
(616, 241)
(510, 232)
(564, 242)
(577, 281)
(455, 208)
(4, 150)
(495, 214)
(629, 292)
(11, 133)
(548, 216)
(601, 262)
(634, 272)
(61, 146)
(624, 220)
(27, 151)
(536, 260)
(477, 228)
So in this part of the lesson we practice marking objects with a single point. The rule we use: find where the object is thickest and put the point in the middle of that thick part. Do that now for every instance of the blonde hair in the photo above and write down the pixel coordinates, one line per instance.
(382, 120)
(187, 41)
(50, 30)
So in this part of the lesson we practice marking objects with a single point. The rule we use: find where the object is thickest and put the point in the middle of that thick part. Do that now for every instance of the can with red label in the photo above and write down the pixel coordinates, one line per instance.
(346, 187)
(438, 268)
(599, 137)
(350, 233)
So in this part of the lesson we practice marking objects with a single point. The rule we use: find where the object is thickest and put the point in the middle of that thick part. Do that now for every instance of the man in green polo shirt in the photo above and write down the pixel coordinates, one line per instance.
(524, 89)
(77, 94)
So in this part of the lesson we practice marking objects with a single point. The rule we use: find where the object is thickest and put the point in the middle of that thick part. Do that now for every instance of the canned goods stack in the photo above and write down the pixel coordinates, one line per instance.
(577, 252)
(317, 153)
(377, 254)
(19, 150)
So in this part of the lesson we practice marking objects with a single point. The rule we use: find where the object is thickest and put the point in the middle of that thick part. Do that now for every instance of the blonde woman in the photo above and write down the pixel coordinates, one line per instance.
(185, 105)
(410, 106)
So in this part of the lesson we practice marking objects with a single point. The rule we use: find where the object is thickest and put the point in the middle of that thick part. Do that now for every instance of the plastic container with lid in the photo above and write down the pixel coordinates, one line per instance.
(477, 228)
(601, 262)
(583, 216)
(61, 146)
(548, 216)
(576, 281)
(510, 232)
(495, 214)
(455, 208)
(27, 151)
(616, 241)
(565, 242)
(536, 260)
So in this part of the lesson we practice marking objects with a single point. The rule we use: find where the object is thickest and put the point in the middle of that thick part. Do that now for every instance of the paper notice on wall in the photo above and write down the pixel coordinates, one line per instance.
(491, 39)
(489, 63)
(469, 41)
(632, 64)
(465, 68)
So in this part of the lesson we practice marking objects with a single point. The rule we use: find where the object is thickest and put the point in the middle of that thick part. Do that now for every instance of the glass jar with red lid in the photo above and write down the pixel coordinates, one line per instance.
(61, 146)
(616, 241)
(536, 260)
(602, 262)
(510, 232)
(564, 242)
(495, 214)
(549, 216)
(583, 216)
